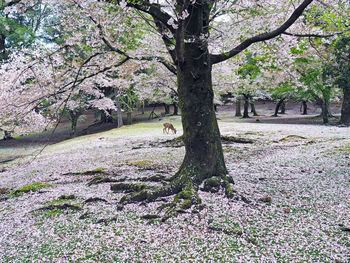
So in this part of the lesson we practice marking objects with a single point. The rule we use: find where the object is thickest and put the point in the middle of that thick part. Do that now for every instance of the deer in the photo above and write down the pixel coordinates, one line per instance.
(167, 127)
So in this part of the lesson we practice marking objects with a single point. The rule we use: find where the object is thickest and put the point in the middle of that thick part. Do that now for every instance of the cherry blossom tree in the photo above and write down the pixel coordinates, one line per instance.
(190, 31)
(185, 28)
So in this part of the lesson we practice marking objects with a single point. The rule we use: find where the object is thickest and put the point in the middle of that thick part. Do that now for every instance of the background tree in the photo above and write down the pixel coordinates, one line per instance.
(342, 54)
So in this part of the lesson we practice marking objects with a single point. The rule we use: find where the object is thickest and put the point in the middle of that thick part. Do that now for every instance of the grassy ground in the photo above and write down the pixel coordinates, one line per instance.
(292, 202)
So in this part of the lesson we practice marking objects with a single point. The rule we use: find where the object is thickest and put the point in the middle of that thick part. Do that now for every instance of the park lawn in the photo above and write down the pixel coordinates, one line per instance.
(291, 205)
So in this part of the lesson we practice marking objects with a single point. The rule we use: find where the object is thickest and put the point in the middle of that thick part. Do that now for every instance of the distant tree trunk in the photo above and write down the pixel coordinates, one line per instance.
(283, 108)
(119, 111)
(7, 135)
(246, 107)
(166, 108)
(215, 107)
(176, 109)
(345, 109)
(238, 108)
(143, 107)
(304, 107)
(278, 105)
(74, 120)
(325, 111)
(2, 47)
(128, 118)
(252, 109)
(106, 117)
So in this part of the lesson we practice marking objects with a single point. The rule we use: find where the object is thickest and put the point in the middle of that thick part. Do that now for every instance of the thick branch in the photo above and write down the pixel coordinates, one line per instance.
(315, 35)
(262, 37)
(14, 2)
(163, 61)
(150, 8)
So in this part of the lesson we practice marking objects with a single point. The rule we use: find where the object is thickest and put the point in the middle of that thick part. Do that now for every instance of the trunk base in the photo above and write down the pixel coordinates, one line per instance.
(185, 186)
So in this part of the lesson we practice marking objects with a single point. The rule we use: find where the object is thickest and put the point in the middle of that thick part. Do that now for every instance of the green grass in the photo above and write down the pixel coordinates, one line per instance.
(34, 187)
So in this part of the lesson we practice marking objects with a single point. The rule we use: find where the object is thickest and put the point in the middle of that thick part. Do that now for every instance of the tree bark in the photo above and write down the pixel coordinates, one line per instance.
(74, 121)
(166, 108)
(143, 107)
(238, 108)
(325, 112)
(128, 118)
(246, 107)
(283, 108)
(119, 111)
(204, 156)
(253, 110)
(7, 135)
(2, 47)
(304, 107)
(278, 105)
(345, 109)
(106, 118)
(176, 109)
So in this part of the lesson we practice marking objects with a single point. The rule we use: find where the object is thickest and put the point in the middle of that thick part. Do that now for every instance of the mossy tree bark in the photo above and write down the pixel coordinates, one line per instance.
(204, 156)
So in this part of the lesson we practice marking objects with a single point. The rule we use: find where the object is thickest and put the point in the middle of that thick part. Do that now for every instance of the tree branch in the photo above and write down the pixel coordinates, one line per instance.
(315, 35)
(152, 9)
(264, 36)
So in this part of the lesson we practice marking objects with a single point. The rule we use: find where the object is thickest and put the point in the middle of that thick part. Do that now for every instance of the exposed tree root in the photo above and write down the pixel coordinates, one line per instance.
(100, 180)
(95, 199)
(182, 186)
(60, 207)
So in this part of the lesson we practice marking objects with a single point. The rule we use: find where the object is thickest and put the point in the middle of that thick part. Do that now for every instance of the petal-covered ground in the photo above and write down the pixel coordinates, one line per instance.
(292, 202)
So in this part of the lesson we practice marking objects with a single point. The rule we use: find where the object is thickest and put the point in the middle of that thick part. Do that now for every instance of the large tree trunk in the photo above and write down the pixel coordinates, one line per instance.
(345, 110)
(204, 156)
(238, 108)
